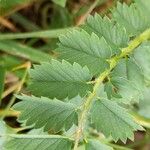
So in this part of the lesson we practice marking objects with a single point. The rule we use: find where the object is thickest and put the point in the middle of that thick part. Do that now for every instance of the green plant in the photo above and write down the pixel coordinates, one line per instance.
(8, 6)
(60, 2)
(102, 67)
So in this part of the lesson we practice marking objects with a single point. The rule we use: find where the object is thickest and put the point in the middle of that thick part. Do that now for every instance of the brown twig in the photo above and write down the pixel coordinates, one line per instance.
(6, 23)
(83, 18)
(11, 102)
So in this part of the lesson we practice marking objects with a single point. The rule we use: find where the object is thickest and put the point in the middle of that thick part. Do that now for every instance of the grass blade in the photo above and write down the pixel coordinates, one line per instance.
(23, 51)
(36, 34)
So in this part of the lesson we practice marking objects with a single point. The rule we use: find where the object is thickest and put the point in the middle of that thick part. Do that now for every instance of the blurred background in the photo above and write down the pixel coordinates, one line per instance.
(29, 31)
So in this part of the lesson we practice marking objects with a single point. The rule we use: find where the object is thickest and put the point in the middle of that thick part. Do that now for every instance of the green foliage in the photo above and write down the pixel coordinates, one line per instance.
(7, 6)
(52, 114)
(60, 80)
(60, 2)
(103, 68)
(85, 49)
(144, 7)
(144, 61)
(127, 81)
(124, 90)
(97, 145)
(113, 33)
(144, 104)
(37, 142)
(36, 34)
(5, 129)
(23, 51)
(132, 18)
(113, 120)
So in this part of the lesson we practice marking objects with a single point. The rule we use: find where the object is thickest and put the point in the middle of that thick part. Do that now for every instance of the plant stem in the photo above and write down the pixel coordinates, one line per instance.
(84, 17)
(118, 147)
(11, 102)
(113, 62)
(140, 119)
(36, 34)
(10, 90)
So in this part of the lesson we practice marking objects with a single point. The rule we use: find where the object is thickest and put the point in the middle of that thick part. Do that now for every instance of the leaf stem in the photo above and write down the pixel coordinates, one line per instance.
(113, 62)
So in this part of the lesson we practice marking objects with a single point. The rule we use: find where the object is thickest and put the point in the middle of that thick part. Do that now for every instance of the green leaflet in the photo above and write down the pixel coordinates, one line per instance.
(53, 115)
(4, 129)
(97, 145)
(78, 101)
(144, 104)
(85, 49)
(134, 74)
(144, 7)
(112, 91)
(37, 142)
(126, 90)
(131, 17)
(113, 120)
(113, 33)
(126, 82)
(60, 80)
(129, 69)
(142, 57)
